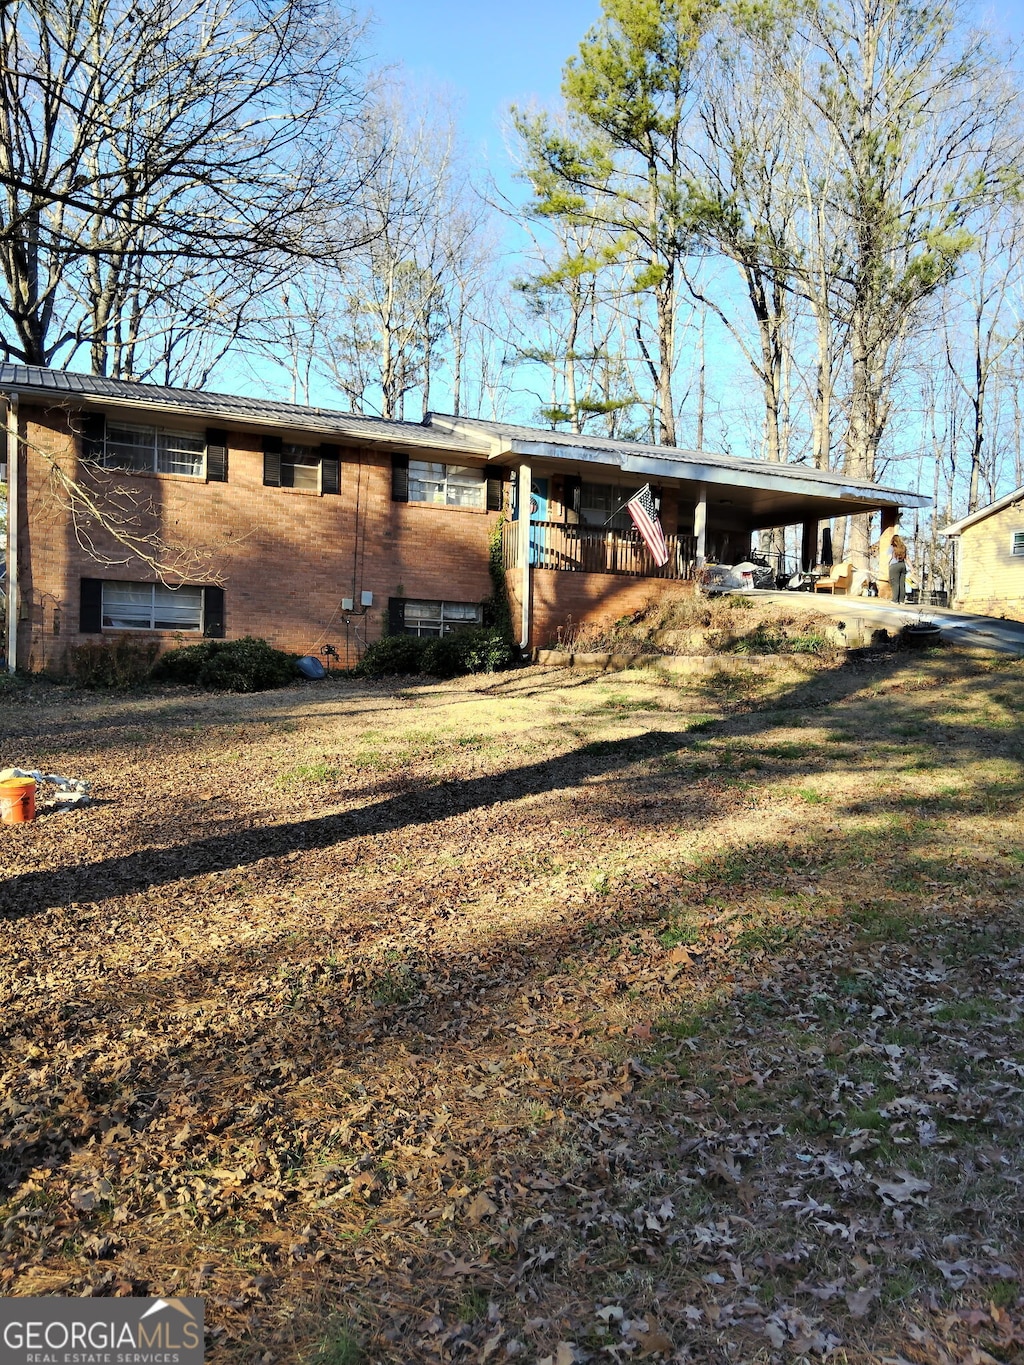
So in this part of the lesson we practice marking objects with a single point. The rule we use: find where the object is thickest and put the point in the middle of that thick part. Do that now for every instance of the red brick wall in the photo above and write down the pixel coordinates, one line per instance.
(593, 599)
(284, 557)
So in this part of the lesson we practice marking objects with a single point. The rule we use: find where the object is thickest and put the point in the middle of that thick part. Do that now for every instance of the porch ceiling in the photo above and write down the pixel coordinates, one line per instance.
(759, 500)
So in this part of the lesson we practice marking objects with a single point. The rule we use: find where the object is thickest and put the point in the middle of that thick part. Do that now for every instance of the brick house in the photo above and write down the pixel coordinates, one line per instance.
(989, 558)
(240, 516)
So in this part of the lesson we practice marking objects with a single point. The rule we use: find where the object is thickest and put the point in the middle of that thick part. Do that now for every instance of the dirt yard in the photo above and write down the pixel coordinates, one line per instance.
(528, 1017)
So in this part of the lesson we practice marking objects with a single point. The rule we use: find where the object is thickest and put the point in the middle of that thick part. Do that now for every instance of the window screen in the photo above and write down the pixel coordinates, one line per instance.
(440, 618)
(449, 485)
(150, 450)
(151, 606)
(601, 504)
(300, 467)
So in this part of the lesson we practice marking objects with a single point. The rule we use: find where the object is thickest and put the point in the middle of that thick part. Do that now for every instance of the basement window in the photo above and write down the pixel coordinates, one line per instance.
(440, 618)
(151, 606)
(449, 485)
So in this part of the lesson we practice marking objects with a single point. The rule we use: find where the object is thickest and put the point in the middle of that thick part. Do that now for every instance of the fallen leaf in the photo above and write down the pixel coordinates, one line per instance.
(904, 1187)
(859, 1302)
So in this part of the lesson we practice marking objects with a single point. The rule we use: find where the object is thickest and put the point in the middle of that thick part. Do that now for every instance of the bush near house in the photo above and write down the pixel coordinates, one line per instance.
(246, 665)
(484, 650)
(117, 663)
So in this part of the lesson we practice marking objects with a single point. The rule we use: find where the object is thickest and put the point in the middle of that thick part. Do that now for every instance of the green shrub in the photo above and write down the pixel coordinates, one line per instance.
(246, 665)
(119, 662)
(392, 654)
(446, 656)
(467, 651)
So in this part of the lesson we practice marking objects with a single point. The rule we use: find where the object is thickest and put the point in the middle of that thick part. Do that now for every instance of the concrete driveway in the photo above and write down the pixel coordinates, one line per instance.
(863, 615)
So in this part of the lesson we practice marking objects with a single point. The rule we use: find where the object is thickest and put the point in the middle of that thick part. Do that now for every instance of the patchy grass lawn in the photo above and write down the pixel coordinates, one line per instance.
(530, 1017)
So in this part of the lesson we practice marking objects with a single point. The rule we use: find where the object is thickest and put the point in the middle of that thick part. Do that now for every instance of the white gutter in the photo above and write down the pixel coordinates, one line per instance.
(13, 594)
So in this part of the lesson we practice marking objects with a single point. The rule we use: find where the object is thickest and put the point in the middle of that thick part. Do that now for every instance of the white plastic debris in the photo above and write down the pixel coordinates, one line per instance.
(68, 791)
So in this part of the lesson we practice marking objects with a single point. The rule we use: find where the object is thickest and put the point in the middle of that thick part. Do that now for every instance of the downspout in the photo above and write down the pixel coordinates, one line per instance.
(12, 533)
(524, 494)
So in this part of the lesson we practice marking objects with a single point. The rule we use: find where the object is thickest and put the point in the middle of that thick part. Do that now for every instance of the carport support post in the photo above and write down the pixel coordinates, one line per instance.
(524, 493)
(700, 524)
(809, 546)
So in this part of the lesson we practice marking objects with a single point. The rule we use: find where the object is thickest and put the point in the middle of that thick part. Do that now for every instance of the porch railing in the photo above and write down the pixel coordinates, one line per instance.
(585, 549)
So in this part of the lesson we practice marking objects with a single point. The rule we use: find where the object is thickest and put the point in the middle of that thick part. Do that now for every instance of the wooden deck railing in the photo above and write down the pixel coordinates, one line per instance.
(585, 549)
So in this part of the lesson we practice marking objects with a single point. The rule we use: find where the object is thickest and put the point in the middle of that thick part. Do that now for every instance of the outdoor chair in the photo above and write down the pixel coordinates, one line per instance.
(838, 581)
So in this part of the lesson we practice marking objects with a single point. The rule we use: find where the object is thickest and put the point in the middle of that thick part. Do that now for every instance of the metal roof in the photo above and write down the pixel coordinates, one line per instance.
(760, 493)
(512, 439)
(35, 381)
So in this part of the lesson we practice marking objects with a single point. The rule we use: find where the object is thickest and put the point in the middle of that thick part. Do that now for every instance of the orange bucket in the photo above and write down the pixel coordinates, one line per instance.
(17, 800)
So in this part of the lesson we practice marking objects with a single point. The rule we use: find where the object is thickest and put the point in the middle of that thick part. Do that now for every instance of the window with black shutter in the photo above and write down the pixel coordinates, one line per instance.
(399, 478)
(94, 432)
(330, 469)
(496, 479)
(213, 612)
(573, 493)
(90, 610)
(216, 456)
(396, 615)
(272, 461)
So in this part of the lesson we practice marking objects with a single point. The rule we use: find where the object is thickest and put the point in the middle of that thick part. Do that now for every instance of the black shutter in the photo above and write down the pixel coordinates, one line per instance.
(272, 461)
(90, 608)
(216, 455)
(495, 479)
(399, 478)
(213, 613)
(94, 432)
(396, 615)
(573, 494)
(330, 469)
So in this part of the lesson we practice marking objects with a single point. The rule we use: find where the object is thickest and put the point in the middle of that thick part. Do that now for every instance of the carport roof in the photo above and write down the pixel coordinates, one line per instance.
(756, 492)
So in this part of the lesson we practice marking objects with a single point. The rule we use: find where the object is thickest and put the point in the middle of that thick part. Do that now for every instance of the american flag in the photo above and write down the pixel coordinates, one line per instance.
(645, 518)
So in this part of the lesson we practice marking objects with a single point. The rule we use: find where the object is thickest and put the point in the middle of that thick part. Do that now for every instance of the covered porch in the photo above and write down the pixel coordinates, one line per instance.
(574, 487)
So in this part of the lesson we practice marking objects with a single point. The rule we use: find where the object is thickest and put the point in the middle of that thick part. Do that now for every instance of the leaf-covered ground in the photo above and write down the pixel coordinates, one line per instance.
(535, 1017)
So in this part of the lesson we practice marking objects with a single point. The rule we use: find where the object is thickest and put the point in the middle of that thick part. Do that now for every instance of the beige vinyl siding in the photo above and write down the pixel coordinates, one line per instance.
(990, 577)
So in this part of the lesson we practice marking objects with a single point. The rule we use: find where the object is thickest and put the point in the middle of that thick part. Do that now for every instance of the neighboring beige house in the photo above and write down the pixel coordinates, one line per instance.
(989, 558)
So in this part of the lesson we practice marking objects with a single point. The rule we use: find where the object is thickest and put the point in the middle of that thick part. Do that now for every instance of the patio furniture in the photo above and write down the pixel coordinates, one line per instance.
(838, 581)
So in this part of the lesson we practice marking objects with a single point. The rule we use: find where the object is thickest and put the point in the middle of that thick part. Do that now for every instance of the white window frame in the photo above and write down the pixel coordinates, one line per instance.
(161, 444)
(159, 607)
(451, 617)
(447, 485)
(1017, 543)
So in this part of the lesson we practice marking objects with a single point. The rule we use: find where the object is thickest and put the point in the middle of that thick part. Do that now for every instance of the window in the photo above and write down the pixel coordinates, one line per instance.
(151, 606)
(300, 467)
(601, 504)
(1017, 545)
(314, 469)
(151, 450)
(451, 485)
(439, 618)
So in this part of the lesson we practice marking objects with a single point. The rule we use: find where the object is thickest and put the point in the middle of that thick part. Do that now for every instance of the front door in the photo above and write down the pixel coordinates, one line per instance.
(538, 513)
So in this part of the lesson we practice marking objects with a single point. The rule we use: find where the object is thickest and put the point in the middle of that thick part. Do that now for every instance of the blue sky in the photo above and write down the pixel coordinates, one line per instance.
(489, 55)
